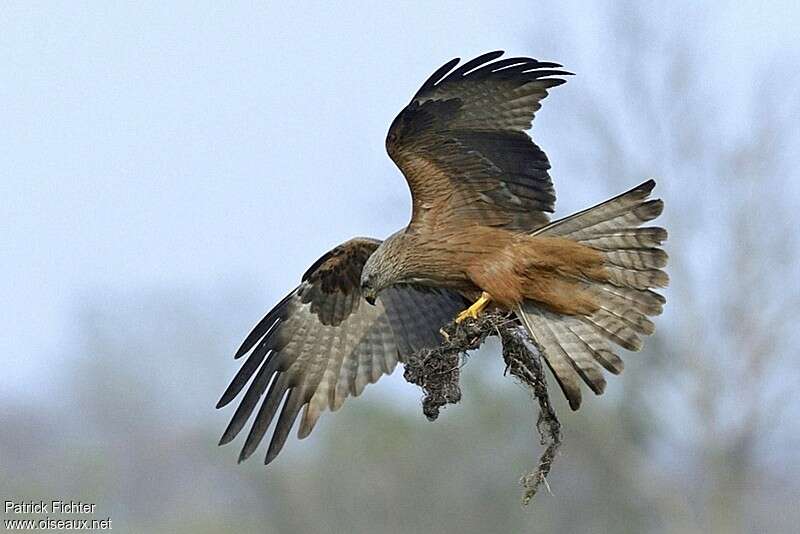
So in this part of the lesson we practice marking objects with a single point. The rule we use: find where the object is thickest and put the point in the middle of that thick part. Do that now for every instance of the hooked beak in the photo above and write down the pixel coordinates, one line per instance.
(369, 295)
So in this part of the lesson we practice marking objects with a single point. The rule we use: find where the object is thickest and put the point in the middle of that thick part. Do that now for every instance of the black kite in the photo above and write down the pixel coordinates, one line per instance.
(479, 230)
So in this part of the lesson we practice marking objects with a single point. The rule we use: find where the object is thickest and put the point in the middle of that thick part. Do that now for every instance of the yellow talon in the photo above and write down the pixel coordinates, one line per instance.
(476, 308)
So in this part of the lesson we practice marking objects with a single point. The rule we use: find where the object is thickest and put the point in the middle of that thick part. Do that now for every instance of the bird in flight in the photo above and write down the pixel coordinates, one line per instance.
(479, 236)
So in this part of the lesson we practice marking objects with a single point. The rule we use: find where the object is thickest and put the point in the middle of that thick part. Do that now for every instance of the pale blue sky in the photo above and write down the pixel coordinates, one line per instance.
(201, 147)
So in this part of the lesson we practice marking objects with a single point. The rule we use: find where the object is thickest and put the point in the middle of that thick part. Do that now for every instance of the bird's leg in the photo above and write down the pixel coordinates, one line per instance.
(476, 308)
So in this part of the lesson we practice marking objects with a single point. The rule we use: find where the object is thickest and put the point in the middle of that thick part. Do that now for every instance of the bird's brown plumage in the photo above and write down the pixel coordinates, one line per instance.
(481, 195)
(323, 343)
(462, 146)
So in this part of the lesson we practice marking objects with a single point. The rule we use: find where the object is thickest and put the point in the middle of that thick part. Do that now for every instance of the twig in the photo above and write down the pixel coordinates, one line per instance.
(437, 372)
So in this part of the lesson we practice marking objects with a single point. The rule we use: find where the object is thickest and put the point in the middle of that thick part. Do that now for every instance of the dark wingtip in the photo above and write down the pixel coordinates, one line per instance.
(651, 209)
(437, 75)
(245, 454)
(574, 401)
(472, 64)
(267, 323)
(257, 332)
(488, 56)
(229, 394)
(271, 455)
(598, 386)
(247, 344)
(225, 439)
(550, 83)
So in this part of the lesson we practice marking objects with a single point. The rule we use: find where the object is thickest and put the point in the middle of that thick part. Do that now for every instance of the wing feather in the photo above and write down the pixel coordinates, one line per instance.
(462, 146)
(324, 343)
(266, 413)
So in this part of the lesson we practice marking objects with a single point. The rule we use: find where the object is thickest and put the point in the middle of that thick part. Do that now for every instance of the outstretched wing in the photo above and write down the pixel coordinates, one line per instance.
(324, 342)
(462, 146)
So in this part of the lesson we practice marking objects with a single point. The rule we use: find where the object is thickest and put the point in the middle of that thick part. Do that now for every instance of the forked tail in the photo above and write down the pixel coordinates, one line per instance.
(577, 346)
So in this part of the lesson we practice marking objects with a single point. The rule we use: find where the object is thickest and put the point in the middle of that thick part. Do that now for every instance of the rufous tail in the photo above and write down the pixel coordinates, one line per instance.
(578, 347)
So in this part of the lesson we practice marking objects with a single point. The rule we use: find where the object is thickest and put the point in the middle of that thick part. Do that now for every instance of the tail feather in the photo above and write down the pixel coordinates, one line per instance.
(642, 259)
(647, 211)
(577, 351)
(561, 364)
(595, 344)
(645, 302)
(578, 346)
(630, 205)
(638, 322)
(615, 329)
(633, 238)
(636, 279)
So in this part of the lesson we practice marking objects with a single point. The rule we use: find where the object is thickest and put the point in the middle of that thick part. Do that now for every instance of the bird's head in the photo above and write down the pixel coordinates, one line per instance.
(369, 288)
(382, 269)
(373, 277)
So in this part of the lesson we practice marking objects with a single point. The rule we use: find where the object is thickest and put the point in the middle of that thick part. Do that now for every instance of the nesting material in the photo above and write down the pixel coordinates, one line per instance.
(437, 372)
